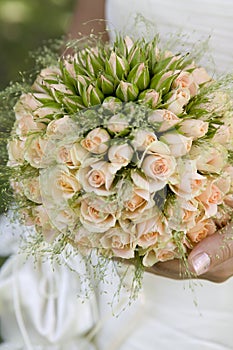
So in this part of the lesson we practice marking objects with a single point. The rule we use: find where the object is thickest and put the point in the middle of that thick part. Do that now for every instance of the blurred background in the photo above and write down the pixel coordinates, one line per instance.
(24, 26)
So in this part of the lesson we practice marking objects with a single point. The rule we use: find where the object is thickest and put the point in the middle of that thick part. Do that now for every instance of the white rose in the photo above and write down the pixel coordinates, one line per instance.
(120, 155)
(96, 215)
(43, 224)
(164, 118)
(96, 141)
(194, 128)
(139, 201)
(27, 124)
(179, 145)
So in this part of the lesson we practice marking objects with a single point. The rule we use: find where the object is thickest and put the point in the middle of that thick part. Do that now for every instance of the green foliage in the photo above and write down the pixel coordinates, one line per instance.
(25, 25)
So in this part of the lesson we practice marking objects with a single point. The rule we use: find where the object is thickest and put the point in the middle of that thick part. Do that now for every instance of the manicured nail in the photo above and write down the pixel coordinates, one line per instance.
(201, 263)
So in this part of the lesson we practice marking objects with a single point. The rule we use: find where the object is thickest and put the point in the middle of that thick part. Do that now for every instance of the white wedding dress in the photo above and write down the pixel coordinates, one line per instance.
(165, 317)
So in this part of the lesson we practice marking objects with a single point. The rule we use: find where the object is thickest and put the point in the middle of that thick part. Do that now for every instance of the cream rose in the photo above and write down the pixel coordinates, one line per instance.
(98, 177)
(50, 73)
(62, 127)
(178, 144)
(31, 189)
(27, 124)
(118, 123)
(96, 215)
(120, 243)
(194, 128)
(120, 155)
(164, 118)
(209, 158)
(96, 141)
(16, 150)
(35, 152)
(26, 104)
(58, 185)
(143, 139)
(178, 100)
(43, 224)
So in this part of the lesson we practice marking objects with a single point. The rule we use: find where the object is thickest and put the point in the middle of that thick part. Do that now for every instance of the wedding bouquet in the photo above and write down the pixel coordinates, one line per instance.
(125, 149)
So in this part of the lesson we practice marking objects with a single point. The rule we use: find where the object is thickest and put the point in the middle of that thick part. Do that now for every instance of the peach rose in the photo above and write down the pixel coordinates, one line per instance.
(98, 177)
(96, 141)
(96, 215)
(201, 230)
(121, 243)
(179, 145)
(200, 76)
(15, 149)
(159, 168)
(210, 198)
(118, 123)
(164, 118)
(186, 80)
(178, 100)
(181, 213)
(164, 253)
(143, 139)
(150, 230)
(120, 155)
(139, 201)
(35, 152)
(194, 128)
(186, 182)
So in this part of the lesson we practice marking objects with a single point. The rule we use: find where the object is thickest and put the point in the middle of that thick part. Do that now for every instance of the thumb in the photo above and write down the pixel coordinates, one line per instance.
(212, 251)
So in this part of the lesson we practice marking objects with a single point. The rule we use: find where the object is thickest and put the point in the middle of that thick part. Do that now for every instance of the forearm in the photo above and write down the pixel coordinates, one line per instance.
(88, 17)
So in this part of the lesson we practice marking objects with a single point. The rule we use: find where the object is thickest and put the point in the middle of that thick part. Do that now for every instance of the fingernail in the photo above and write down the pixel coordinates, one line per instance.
(201, 263)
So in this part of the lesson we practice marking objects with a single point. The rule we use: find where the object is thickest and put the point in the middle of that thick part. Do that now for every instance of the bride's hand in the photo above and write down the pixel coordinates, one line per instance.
(211, 259)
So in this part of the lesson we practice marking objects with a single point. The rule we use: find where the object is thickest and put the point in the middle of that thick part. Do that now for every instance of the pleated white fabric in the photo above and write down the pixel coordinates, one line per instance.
(199, 19)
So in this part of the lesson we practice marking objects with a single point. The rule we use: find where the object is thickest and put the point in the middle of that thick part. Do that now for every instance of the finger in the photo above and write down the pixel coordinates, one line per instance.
(219, 273)
(175, 269)
(212, 251)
